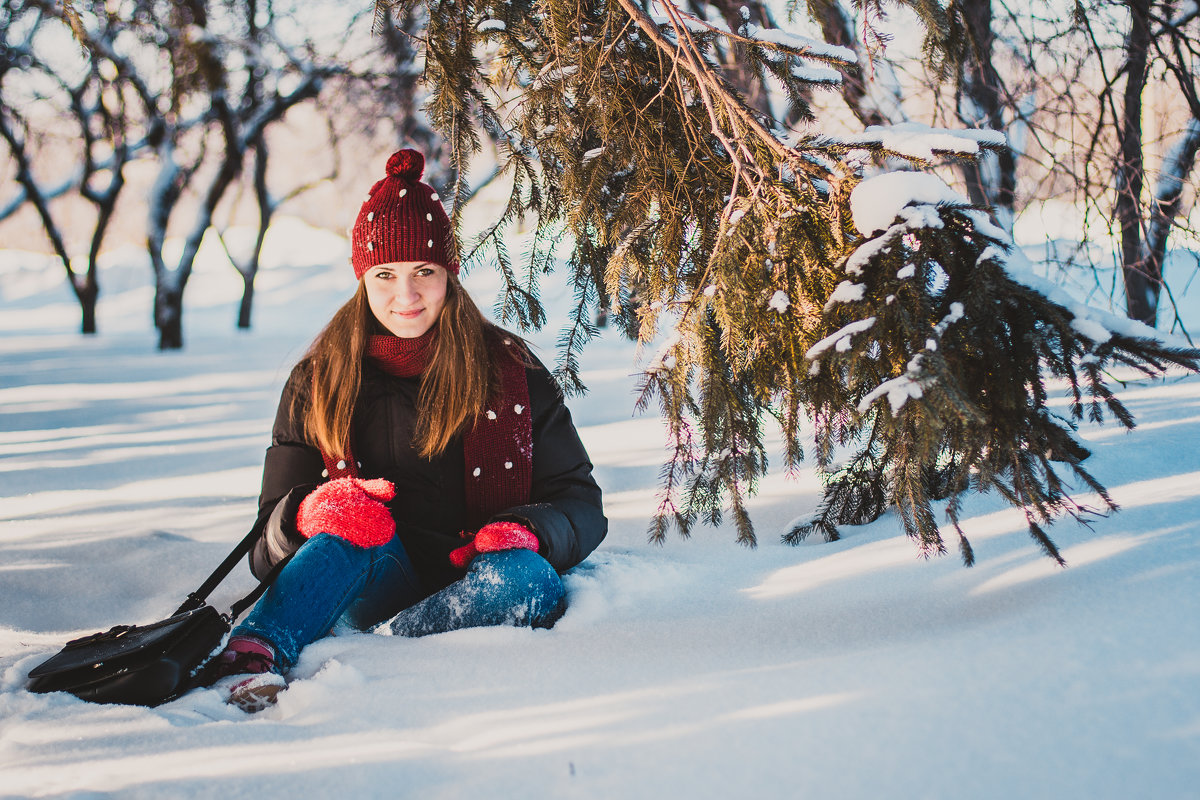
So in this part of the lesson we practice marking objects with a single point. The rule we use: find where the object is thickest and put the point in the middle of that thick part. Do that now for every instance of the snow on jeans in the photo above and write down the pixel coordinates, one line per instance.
(330, 583)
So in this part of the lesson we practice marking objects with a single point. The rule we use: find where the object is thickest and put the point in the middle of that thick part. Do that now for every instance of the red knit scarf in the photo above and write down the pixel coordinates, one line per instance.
(497, 449)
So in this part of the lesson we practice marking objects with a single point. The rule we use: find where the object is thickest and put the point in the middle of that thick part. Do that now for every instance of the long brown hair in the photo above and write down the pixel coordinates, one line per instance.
(454, 387)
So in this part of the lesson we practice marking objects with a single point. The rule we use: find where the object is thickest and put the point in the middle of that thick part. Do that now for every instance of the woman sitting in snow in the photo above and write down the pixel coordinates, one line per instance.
(423, 468)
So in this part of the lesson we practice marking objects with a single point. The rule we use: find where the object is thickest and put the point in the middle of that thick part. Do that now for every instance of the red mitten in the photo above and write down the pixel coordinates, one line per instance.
(351, 508)
(493, 537)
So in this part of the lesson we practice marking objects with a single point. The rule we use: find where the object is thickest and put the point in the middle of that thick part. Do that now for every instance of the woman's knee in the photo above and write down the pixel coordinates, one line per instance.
(518, 568)
(333, 549)
(525, 580)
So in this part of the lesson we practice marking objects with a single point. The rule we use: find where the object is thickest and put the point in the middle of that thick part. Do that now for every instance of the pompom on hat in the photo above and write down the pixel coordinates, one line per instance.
(402, 219)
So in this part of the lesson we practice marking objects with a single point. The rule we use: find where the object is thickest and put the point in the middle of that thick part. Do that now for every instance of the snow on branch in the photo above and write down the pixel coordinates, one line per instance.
(840, 338)
(922, 142)
(553, 72)
(772, 38)
(821, 75)
(1097, 325)
(876, 202)
(846, 292)
(898, 390)
(911, 385)
(802, 45)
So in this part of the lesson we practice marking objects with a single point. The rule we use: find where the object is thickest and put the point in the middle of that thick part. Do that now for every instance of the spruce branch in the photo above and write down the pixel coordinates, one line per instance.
(730, 248)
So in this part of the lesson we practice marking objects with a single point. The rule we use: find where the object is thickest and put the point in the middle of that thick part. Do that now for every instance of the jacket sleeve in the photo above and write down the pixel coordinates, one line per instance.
(291, 470)
(565, 510)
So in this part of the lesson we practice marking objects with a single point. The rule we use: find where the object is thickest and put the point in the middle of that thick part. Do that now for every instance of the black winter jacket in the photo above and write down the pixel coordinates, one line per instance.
(564, 508)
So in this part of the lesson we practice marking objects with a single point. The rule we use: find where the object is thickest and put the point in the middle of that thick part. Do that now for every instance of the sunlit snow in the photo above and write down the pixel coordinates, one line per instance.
(694, 669)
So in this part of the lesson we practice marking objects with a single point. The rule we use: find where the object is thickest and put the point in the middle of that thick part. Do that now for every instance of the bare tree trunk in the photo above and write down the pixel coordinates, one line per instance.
(106, 203)
(838, 28)
(168, 284)
(236, 135)
(1143, 279)
(87, 306)
(247, 303)
(982, 104)
(168, 292)
(266, 209)
(84, 286)
(1168, 196)
(168, 317)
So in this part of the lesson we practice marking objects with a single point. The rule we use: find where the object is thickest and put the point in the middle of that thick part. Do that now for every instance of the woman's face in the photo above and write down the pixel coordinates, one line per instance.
(406, 296)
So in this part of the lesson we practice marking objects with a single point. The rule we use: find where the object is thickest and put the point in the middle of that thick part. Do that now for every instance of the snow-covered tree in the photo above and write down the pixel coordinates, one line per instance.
(231, 69)
(770, 278)
(1101, 100)
(1098, 99)
(1165, 35)
(162, 81)
(45, 91)
(195, 88)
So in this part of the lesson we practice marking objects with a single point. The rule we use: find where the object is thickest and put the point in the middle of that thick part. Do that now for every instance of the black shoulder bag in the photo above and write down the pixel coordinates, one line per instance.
(147, 665)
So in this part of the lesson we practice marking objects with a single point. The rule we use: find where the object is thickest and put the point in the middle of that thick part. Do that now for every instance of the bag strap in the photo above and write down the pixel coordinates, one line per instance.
(197, 598)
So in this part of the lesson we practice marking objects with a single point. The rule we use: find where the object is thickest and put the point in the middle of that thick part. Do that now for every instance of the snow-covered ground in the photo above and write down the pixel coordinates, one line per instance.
(698, 669)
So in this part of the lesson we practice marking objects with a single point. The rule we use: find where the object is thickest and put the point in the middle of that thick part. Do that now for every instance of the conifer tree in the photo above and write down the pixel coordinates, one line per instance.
(774, 281)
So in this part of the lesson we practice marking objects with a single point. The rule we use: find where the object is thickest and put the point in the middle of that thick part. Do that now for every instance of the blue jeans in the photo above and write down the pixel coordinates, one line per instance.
(330, 583)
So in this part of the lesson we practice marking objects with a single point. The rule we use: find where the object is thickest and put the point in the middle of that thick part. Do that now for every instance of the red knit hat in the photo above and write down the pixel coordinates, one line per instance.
(402, 219)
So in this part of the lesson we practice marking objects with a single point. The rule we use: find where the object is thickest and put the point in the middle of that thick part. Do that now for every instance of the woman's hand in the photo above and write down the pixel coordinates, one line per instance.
(351, 508)
(493, 537)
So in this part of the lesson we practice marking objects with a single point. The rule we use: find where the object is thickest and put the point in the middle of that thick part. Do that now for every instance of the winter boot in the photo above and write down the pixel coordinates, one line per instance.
(247, 674)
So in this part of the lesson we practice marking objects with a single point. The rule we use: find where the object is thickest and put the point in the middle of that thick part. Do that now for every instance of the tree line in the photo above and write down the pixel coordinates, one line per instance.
(192, 89)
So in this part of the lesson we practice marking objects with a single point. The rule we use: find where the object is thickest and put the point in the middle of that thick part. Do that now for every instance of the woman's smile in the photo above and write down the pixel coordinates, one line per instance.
(406, 296)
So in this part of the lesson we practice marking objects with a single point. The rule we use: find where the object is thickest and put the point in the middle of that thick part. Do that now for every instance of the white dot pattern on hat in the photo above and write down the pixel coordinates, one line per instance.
(508, 465)
(341, 465)
(518, 408)
(476, 472)
(324, 473)
(401, 222)
(491, 414)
